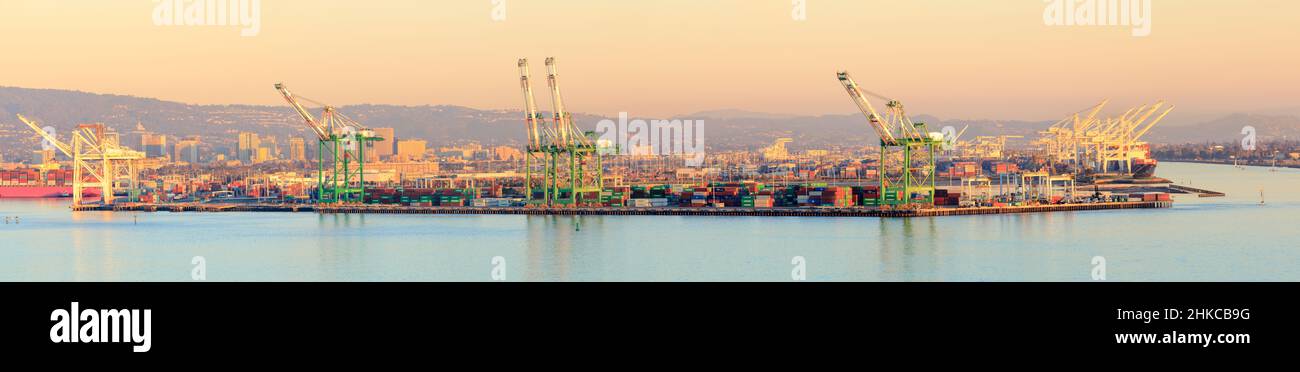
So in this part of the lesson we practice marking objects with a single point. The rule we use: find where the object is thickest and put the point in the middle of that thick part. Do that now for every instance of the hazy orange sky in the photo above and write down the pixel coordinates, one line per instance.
(952, 58)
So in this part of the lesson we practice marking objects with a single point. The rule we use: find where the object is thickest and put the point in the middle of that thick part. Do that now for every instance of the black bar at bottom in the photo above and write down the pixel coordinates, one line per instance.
(284, 319)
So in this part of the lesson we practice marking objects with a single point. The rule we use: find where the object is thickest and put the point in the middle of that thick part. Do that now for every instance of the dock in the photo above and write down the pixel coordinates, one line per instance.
(627, 211)
(1203, 193)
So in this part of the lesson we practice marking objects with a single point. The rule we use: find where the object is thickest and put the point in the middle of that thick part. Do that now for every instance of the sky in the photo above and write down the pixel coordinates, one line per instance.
(991, 59)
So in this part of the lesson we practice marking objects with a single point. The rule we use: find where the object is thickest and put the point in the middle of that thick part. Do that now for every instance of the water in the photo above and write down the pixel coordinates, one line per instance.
(1211, 239)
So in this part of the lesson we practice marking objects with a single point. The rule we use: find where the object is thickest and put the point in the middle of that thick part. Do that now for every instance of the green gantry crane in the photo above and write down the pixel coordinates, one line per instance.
(914, 178)
(340, 152)
(561, 162)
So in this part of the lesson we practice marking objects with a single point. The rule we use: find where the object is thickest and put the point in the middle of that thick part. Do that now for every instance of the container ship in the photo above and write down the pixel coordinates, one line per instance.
(1143, 165)
(34, 191)
(31, 183)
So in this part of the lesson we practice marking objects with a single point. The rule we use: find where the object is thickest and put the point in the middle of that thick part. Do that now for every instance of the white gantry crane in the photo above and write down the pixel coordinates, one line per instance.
(96, 156)
(1094, 144)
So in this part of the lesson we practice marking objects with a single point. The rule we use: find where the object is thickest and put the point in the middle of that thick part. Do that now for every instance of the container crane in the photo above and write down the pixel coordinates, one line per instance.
(94, 155)
(912, 184)
(534, 147)
(1093, 144)
(340, 178)
(557, 144)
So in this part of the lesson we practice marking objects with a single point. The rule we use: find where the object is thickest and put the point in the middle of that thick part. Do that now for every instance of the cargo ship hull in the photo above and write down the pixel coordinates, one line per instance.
(14, 192)
(1144, 168)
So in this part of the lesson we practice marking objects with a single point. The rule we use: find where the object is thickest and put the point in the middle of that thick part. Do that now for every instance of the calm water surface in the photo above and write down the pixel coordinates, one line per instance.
(1211, 239)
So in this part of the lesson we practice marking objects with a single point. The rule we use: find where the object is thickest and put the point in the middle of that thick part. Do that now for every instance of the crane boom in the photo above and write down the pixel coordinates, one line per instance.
(959, 134)
(63, 147)
(1096, 109)
(320, 130)
(864, 105)
(1137, 136)
(557, 101)
(532, 116)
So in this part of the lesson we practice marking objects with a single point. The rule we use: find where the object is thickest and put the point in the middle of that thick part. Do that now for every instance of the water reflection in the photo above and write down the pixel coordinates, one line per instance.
(550, 246)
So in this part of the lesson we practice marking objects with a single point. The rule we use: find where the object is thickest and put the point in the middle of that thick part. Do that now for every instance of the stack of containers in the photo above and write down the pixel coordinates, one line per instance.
(837, 196)
(954, 198)
(893, 196)
(453, 197)
(789, 197)
(727, 195)
(803, 196)
(491, 202)
(589, 197)
(658, 191)
(942, 197)
(764, 199)
(381, 196)
(1149, 197)
(1005, 168)
(615, 197)
(867, 195)
(451, 201)
(700, 197)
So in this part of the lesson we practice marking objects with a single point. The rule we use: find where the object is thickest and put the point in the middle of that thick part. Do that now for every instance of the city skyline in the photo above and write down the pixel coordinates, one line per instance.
(965, 60)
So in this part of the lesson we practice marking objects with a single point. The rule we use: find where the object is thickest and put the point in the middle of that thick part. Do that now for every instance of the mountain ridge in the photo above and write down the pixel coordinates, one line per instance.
(725, 129)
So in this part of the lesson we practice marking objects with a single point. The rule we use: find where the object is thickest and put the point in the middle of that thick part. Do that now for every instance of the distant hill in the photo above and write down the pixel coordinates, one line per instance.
(728, 129)
(1267, 128)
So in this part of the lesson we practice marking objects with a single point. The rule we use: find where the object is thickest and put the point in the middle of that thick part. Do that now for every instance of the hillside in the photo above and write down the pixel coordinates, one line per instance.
(726, 129)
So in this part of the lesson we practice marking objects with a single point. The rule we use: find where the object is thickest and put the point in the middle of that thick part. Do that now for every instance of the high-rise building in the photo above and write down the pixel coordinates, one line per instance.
(507, 153)
(297, 149)
(272, 148)
(411, 149)
(248, 144)
(153, 145)
(385, 148)
(187, 150)
(263, 155)
(135, 138)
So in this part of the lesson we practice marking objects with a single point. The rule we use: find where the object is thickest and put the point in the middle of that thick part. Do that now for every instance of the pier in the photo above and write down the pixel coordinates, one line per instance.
(1199, 192)
(627, 211)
